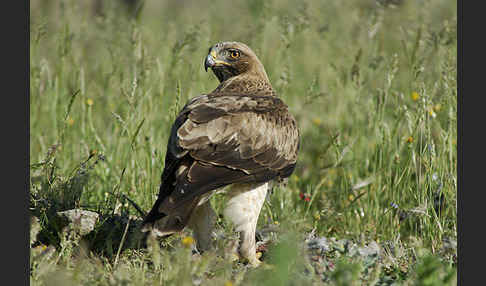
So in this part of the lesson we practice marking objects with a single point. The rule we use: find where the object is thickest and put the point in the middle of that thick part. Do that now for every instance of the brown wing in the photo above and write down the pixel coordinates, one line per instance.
(221, 139)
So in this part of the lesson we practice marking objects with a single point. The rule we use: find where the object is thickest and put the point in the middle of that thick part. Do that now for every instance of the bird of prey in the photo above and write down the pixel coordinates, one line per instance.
(240, 135)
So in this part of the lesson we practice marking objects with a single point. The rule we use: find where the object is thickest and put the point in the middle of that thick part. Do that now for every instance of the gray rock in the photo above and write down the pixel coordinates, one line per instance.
(34, 229)
(320, 243)
(372, 249)
(449, 244)
(82, 221)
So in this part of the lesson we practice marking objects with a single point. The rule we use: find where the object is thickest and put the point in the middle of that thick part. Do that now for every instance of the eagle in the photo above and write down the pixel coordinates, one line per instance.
(240, 138)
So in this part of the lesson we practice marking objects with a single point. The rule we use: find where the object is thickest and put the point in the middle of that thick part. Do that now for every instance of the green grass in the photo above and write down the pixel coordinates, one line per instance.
(105, 88)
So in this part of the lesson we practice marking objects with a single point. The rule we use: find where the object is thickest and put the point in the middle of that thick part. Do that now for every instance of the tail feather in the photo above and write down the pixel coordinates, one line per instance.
(179, 196)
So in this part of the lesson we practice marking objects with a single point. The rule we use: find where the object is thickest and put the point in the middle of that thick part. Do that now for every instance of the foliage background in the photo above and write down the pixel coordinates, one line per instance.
(371, 83)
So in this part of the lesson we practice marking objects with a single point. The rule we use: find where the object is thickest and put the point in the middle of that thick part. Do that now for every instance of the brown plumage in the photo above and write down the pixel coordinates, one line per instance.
(240, 134)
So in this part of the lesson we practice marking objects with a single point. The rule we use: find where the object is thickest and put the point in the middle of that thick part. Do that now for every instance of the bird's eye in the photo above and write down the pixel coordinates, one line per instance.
(235, 54)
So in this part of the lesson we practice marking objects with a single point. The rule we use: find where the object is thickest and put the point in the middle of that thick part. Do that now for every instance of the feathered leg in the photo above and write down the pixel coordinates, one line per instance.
(242, 209)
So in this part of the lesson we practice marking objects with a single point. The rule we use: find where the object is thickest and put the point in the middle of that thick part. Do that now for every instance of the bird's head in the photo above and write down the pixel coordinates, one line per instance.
(230, 59)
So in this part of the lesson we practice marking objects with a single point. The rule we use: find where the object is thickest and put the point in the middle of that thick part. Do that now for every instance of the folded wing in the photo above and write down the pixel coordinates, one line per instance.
(221, 139)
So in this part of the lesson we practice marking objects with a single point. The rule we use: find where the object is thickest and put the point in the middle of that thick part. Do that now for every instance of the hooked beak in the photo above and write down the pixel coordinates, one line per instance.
(212, 60)
(209, 62)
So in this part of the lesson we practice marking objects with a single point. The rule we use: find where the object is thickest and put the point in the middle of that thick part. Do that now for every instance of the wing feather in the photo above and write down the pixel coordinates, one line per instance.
(221, 139)
(262, 136)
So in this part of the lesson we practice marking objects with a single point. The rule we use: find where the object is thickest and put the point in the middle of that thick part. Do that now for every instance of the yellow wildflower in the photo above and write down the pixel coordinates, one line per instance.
(228, 283)
(415, 96)
(89, 102)
(317, 121)
(70, 121)
(431, 112)
(410, 139)
(188, 241)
